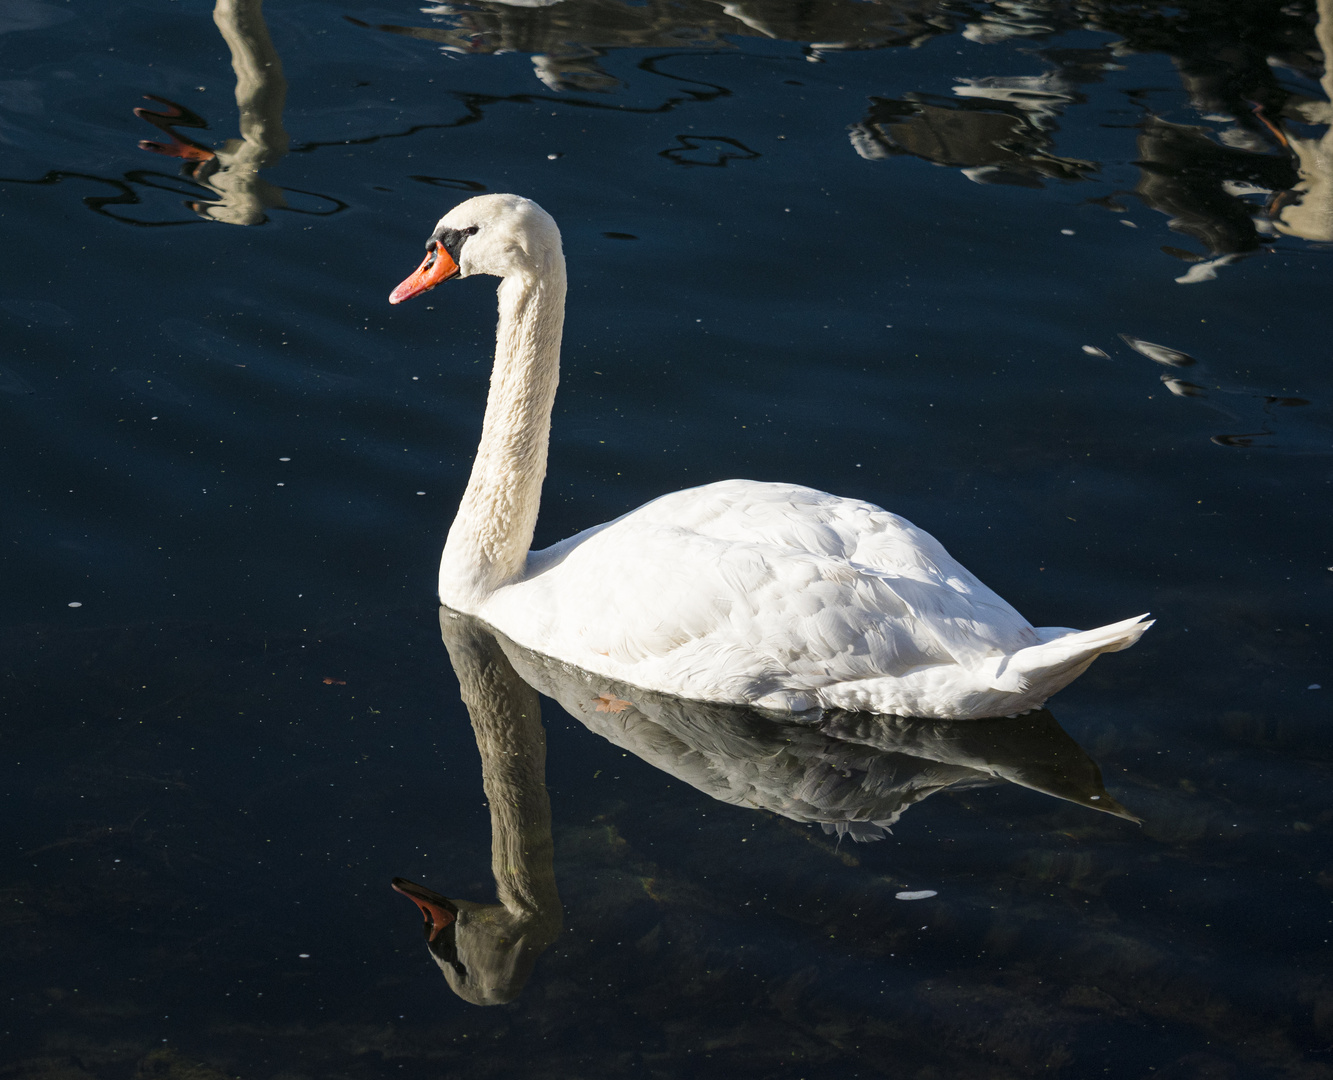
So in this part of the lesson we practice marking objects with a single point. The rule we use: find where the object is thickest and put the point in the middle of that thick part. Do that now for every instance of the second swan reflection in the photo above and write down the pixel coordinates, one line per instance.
(852, 773)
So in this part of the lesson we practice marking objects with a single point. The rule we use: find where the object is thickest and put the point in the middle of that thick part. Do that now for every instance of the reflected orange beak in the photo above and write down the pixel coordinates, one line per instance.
(438, 266)
(436, 914)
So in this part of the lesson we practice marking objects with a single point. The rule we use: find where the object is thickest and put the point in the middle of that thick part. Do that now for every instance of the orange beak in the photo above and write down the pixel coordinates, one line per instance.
(437, 915)
(438, 266)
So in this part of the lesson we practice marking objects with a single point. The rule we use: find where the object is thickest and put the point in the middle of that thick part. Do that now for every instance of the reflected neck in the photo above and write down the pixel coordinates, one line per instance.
(506, 719)
(490, 537)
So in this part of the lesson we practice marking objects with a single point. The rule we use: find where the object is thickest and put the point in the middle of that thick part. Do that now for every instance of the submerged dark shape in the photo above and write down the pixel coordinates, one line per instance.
(1191, 178)
(993, 145)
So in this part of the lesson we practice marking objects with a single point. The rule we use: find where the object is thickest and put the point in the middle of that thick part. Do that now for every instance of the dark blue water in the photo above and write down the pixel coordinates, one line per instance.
(884, 249)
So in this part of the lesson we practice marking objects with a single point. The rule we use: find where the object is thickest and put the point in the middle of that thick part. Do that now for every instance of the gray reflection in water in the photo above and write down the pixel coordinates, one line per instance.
(261, 91)
(487, 951)
(1232, 188)
(567, 38)
(991, 145)
(1002, 130)
(1307, 209)
(232, 170)
(852, 773)
(1235, 180)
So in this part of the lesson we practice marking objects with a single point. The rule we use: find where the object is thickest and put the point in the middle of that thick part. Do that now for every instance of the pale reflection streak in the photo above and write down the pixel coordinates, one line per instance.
(231, 172)
(1308, 209)
(854, 774)
(261, 90)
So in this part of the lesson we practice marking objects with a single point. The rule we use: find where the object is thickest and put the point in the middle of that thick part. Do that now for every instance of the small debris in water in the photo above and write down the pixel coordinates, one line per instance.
(1181, 388)
(920, 894)
(1159, 353)
(1312, 686)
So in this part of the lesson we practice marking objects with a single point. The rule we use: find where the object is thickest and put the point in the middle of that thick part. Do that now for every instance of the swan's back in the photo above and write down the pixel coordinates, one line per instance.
(762, 593)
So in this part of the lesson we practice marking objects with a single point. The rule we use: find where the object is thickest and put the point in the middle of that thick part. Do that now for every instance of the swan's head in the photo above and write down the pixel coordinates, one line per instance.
(503, 235)
(485, 951)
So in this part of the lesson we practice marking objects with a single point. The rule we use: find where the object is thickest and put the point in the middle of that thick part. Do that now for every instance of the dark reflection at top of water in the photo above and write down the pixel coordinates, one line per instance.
(1003, 130)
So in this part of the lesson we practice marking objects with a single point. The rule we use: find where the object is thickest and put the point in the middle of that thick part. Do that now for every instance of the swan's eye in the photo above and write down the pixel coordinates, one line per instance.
(452, 239)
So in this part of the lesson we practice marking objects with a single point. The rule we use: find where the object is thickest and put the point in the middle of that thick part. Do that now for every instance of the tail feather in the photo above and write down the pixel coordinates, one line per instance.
(1054, 663)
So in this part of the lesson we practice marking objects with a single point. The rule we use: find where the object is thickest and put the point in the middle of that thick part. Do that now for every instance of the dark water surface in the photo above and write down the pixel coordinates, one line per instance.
(1050, 279)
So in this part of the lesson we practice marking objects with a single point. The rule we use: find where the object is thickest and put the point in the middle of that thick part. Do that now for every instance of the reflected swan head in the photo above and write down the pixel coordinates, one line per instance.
(501, 235)
(485, 951)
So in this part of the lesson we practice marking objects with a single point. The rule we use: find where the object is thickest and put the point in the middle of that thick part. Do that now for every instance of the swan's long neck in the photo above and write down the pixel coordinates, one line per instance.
(490, 537)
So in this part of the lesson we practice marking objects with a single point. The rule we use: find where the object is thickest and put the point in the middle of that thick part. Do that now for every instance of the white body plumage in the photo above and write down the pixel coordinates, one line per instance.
(774, 595)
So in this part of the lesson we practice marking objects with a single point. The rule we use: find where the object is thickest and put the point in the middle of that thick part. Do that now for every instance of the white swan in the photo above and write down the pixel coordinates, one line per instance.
(772, 595)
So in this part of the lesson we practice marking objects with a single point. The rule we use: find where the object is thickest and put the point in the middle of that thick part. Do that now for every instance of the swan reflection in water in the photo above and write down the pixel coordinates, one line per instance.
(231, 171)
(852, 773)
(229, 175)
